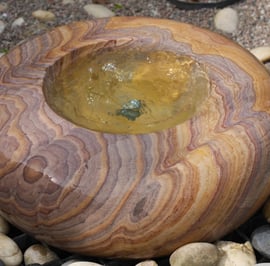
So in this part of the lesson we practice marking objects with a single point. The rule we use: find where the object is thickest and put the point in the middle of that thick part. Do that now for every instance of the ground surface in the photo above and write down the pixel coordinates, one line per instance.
(253, 29)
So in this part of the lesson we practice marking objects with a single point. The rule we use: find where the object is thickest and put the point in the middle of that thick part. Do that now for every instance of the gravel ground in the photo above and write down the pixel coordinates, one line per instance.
(253, 27)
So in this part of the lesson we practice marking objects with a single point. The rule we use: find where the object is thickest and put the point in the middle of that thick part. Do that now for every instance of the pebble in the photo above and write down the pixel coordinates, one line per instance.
(18, 22)
(260, 240)
(263, 54)
(4, 226)
(263, 264)
(38, 253)
(236, 254)
(147, 263)
(226, 20)
(2, 26)
(10, 253)
(68, 262)
(43, 15)
(195, 254)
(3, 6)
(84, 263)
(98, 11)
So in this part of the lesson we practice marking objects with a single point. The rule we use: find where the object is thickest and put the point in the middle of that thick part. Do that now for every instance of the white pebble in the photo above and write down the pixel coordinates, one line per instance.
(66, 263)
(263, 264)
(10, 253)
(147, 263)
(263, 54)
(235, 254)
(2, 26)
(98, 11)
(43, 15)
(38, 253)
(4, 226)
(195, 254)
(84, 263)
(17, 22)
(226, 20)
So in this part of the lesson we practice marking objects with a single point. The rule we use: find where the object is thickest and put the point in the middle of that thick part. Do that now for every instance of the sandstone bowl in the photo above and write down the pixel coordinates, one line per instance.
(133, 195)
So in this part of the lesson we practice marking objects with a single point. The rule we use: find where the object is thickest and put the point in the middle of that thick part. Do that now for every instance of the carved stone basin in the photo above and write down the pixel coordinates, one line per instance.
(133, 194)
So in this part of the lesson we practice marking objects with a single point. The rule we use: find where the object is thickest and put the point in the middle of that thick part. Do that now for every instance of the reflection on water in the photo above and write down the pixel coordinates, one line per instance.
(129, 91)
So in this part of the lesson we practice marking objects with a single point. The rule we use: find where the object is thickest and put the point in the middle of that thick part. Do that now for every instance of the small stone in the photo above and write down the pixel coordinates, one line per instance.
(263, 54)
(84, 263)
(236, 254)
(43, 15)
(260, 240)
(17, 22)
(266, 210)
(226, 20)
(68, 262)
(38, 253)
(195, 254)
(10, 253)
(2, 26)
(263, 264)
(68, 2)
(147, 263)
(3, 6)
(98, 11)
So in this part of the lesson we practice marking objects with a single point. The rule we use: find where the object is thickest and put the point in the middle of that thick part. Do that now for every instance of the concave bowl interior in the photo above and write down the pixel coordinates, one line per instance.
(133, 195)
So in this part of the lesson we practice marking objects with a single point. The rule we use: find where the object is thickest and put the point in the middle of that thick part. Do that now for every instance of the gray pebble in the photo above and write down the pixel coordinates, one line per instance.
(260, 240)
(18, 22)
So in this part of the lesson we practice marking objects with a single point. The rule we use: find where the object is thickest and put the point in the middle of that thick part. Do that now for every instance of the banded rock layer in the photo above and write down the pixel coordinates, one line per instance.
(133, 196)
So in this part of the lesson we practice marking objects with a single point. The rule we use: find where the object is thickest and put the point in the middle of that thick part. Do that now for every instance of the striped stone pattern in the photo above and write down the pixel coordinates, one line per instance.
(133, 196)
